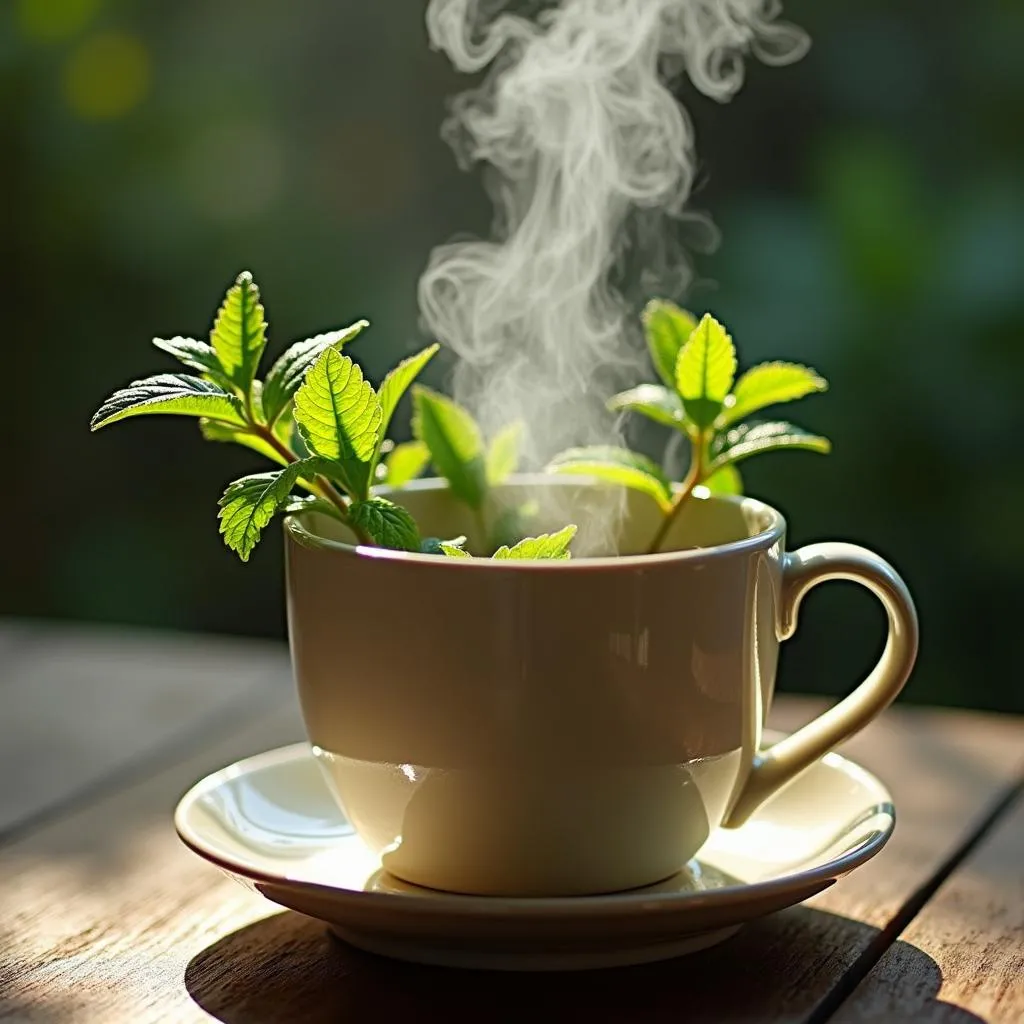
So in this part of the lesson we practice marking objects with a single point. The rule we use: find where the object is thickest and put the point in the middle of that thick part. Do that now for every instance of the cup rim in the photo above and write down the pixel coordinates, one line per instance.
(297, 532)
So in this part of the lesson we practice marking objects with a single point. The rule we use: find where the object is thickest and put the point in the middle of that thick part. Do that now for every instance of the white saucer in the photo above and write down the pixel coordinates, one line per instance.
(270, 822)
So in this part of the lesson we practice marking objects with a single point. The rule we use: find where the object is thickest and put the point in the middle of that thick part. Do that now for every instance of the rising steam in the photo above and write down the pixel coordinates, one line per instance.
(588, 157)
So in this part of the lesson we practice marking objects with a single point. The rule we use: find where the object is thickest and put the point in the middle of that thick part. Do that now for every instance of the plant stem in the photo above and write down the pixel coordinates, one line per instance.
(323, 486)
(266, 434)
(693, 478)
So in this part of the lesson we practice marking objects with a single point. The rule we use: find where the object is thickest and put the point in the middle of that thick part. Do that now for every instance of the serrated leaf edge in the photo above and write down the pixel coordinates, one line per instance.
(207, 390)
(362, 391)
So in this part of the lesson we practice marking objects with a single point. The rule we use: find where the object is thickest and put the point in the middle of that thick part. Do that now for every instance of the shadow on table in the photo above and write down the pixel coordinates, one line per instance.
(288, 968)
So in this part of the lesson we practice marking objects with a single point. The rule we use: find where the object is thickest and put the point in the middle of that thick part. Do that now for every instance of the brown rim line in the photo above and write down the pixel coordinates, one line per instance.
(299, 534)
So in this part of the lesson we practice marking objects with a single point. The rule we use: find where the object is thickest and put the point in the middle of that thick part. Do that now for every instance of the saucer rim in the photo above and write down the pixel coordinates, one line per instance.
(625, 902)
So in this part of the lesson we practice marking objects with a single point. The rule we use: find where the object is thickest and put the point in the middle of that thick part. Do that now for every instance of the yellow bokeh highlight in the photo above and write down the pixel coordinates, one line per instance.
(107, 75)
(48, 20)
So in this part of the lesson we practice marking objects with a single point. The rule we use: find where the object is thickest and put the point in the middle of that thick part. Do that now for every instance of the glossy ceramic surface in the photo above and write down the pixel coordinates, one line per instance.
(271, 822)
(563, 728)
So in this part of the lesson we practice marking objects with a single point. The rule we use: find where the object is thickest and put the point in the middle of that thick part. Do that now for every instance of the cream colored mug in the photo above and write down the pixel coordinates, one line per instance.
(563, 728)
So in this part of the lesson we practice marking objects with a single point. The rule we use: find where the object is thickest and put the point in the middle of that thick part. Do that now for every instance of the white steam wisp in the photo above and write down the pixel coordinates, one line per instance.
(588, 157)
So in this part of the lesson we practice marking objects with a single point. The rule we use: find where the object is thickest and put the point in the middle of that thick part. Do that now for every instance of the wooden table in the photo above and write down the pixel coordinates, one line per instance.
(105, 916)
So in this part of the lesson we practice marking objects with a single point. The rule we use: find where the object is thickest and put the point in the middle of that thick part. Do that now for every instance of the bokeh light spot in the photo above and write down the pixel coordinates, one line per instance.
(107, 76)
(49, 20)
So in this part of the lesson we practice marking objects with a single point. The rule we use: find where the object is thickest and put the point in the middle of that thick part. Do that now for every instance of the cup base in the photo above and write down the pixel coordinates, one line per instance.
(532, 831)
(460, 885)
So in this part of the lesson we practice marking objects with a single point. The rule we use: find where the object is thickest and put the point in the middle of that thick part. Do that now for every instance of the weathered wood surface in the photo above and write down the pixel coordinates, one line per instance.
(947, 771)
(973, 932)
(80, 708)
(102, 908)
(104, 916)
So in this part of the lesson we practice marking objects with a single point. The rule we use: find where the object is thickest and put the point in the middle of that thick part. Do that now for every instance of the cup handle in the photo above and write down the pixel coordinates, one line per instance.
(801, 570)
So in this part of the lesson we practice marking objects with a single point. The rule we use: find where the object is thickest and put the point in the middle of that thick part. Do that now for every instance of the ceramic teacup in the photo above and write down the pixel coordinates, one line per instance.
(563, 728)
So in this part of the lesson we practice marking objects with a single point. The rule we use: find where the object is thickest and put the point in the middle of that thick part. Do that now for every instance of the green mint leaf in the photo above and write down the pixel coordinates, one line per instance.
(405, 462)
(449, 548)
(436, 546)
(770, 384)
(726, 480)
(547, 546)
(170, 393)
(288, 372)
(503, 454)
(337, 412)
(250, 502)
(667, 329)
(386, 523)
(397, 382)
(392, 388)
(456, 447)
(288, 431)
(705, 371)
(654, 401)
(748, 439)
(511, 523)
(225, 433)
(297, 503)
(618, 466)
(239, 332)
(196, 355)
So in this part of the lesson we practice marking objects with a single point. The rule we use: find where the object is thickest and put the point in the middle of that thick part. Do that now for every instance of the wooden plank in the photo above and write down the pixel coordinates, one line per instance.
(81, 704)
(946, 770)
(962, 958)
(101, 910)
(105, 917)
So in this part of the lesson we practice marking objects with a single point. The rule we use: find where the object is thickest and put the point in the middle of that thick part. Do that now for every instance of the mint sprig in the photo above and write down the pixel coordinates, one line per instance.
(455, 446)
(700, 397)
(314, 415)
(325, 427)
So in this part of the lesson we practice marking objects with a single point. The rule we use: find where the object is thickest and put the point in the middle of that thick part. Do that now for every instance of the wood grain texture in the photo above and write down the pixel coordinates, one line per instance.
(946, 770)
(104, 916)
(973, 931)
(101, 909)
(80, 705)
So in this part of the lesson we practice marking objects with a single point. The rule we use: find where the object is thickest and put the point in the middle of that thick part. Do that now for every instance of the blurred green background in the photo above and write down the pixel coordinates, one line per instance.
(871, 199)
